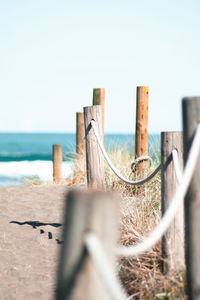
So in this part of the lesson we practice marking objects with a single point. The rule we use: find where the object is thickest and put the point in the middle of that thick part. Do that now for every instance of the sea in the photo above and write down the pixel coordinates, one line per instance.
(27, 157)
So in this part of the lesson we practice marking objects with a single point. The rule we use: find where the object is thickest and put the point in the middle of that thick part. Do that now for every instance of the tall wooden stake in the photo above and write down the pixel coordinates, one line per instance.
(80, 133)
(191, 118)
(57, 163)
(141, 132)
(173, 240)
(77, 276)
(94, 157)
(99, 99)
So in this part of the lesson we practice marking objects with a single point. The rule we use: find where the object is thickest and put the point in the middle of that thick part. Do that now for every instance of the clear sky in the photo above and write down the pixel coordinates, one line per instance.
(53, 53)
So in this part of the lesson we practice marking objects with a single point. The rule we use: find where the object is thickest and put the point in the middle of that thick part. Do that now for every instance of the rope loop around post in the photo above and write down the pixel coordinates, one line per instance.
(160, 229)
(117, 173)
(140, 159)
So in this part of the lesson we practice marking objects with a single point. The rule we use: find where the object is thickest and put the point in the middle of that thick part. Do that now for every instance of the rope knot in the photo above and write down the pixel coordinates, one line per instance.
(139, 160)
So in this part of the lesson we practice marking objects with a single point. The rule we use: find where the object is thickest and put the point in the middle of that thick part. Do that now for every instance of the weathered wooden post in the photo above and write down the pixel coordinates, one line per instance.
(99, 99)
(94, 157)
(80, 134)
(85, 211)
(191, 118)
(57, 163)
(141, 132)
(173, 241)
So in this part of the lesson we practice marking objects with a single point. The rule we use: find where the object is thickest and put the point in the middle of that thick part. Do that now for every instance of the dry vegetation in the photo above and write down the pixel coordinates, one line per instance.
(140, 211)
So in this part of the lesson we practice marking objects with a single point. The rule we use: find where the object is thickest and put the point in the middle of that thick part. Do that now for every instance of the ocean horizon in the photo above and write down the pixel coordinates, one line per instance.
(29, 155)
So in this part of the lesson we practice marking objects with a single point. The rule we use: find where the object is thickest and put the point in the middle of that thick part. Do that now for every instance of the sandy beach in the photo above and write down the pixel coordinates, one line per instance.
(30, 239)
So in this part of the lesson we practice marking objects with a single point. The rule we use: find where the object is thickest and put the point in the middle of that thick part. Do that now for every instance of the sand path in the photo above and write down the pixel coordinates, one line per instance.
(30, 238)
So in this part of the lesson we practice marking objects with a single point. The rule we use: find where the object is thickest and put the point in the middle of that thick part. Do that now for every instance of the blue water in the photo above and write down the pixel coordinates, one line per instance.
(24, 155)
(34, 146)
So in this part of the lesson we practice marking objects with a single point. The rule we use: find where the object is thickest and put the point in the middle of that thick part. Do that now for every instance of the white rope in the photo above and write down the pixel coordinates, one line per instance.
(160, 229)
(104, 267)
(138, 182)
(140, 159)
(177, 168)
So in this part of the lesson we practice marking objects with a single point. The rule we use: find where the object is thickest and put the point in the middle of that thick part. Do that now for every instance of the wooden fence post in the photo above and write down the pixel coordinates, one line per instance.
(57, 163)
(80, 134)
(99, 99)
(173, 240)
(94, 157)
(86, 211)
(191, 118)
(141, 132)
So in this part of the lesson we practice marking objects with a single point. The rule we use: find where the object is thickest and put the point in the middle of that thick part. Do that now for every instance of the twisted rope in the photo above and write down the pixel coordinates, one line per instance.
(177, 168)
(168, 216)
(104, 268)
(140, 159)
(137, 182)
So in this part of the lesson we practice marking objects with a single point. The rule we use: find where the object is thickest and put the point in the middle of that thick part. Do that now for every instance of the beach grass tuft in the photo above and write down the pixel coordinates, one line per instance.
(140, 211)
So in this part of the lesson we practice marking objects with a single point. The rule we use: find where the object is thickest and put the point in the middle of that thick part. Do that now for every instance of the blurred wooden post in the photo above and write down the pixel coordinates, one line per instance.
(99, 99)
(94, 157)
(80, 134)
(173, 240)
(141, 132)
(57, 163)
(86, 211)
(191, 118)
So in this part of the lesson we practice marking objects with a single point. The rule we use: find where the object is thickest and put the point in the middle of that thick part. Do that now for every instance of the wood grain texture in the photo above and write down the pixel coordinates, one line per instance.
(99, 99)
(141, 132)
(80, 133)
(191, 118)
(57, 163)
(94, 157)
(77, 276)
(173, 241)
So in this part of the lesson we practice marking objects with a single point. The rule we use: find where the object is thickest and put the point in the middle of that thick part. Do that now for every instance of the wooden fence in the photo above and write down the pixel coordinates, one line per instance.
(87, 212)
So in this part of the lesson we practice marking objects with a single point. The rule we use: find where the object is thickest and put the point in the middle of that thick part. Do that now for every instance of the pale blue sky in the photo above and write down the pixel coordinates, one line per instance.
(53, 53)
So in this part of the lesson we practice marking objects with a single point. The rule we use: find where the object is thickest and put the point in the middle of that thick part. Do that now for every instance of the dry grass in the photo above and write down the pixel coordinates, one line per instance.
(140, 211)
(142, 276)
(79, 175)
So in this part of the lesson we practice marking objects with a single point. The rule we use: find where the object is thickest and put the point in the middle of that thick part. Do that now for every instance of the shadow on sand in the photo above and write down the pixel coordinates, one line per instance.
(36, 224)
